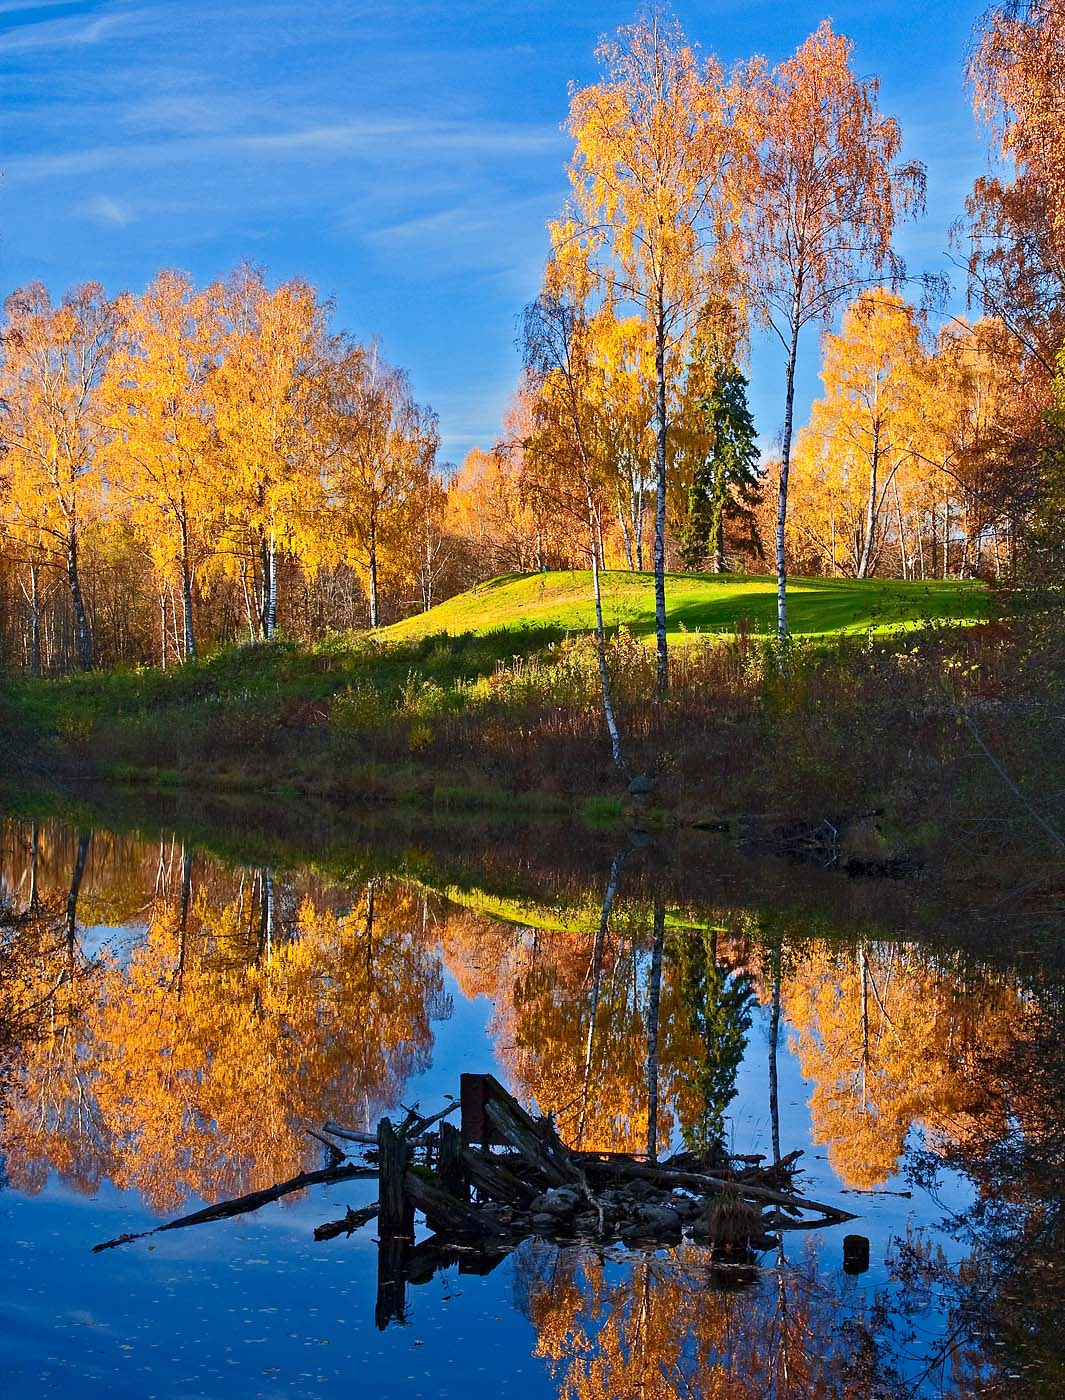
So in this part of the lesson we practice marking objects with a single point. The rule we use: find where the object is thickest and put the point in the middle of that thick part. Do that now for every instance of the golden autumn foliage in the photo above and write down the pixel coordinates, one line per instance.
(190, 1063)
(241, 466)
(665, 1328)
(204, 443)
(53, 360)
(887, 1041)
(825, 197)
(161, 453)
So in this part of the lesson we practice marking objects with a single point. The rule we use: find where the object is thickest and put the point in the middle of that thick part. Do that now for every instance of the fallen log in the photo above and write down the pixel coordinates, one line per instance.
(541, 1154)
(348, 1224)
(447, 1215)
(252, 1200)
(697, 1181)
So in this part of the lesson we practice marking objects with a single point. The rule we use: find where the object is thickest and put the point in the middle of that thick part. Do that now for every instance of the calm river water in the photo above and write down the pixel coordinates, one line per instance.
(171, 1024)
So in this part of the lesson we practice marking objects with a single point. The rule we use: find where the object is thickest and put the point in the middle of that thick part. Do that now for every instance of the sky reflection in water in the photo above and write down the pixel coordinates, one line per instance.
(176, 1061)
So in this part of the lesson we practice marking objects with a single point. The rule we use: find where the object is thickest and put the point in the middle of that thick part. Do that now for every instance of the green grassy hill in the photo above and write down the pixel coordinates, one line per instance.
(697, 603)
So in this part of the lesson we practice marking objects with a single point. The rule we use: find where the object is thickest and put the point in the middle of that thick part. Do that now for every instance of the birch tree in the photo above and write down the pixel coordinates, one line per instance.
(51, 432)
(161, 453)
(379, 453)
(567, 445)
(648, 213)
(262, 398)
(824, 199)
(867, 426)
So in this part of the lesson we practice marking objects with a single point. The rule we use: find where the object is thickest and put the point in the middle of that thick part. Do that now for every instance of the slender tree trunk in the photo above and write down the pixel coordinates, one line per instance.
(870, 512)
(35, 851)
(175, 634)
(247, 599)
(597, 984)
(946, 537)
(654, 1003)
(902, 533)
(186, 591)
(600, 639)
(163, 639)
(35, 619)
(76, 877)
(662, 673)
(719, 545)
(637, 506)
(270, 626)
(81, 622)
(427, 575)
(375, 616)
(371, 889)
(963, 566)
(626, 533)
(266, 914)
(785, 466)
(183, 913)
(774, 1041)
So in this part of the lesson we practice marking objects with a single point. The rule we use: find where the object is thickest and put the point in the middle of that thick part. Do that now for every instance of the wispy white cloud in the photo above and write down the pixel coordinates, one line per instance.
(20, 7)
(414, 136)
(107, 210)
(396, 140)
(63, 33)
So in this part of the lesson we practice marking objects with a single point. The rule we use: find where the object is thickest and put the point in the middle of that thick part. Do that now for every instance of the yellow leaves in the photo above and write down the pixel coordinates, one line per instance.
(160, 455)
(192, 1064)
(53, 359)
(888, 1043)
(261, 398)
(651, 146)
(378, 451)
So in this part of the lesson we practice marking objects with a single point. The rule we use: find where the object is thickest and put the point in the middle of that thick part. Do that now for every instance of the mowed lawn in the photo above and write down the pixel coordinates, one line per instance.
(698, 603)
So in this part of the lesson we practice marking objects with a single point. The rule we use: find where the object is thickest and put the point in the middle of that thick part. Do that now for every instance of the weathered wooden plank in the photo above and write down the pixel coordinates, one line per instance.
(540, 1153)
(393, 1155)
(493, 1181)
(452, 1165)
(447, 1215)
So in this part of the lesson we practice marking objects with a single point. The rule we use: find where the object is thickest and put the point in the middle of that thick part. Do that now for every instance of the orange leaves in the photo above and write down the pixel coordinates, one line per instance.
(863, 434)
(378, 454)
(823, 192)
(1016, 73)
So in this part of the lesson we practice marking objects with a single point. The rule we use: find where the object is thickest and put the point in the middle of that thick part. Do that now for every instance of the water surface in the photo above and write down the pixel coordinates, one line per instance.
(171, 1024)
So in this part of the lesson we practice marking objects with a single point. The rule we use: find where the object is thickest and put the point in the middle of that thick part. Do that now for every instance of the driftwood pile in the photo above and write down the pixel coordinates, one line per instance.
(503, 1176)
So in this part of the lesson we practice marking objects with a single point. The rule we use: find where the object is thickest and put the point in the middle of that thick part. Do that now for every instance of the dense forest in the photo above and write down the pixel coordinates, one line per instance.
(193, 465)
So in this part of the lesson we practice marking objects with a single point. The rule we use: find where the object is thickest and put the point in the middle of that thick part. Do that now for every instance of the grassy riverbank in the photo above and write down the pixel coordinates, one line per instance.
(504, 715)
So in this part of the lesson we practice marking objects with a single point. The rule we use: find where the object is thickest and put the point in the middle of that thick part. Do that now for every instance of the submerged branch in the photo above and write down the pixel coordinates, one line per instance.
(253, 1200)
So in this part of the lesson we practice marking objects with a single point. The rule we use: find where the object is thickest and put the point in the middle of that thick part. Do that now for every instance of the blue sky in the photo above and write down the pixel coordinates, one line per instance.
(403, 157)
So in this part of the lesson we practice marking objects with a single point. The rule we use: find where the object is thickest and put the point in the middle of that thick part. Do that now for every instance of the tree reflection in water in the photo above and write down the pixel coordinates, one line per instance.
(172, 1025)
(190, 1062)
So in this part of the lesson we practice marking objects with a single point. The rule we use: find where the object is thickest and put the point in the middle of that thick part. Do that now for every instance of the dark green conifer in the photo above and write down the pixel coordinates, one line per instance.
(726, 486)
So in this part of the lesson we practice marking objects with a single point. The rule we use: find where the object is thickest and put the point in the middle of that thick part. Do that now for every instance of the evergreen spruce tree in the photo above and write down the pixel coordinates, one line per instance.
(727, 485)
